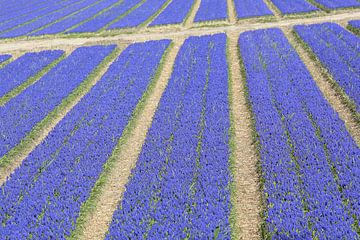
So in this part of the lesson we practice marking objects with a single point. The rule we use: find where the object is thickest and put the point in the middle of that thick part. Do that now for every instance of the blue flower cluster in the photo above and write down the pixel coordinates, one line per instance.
(179, 188)
(333, 4)
(211, 10)
(251, 8)
(106, 17)
(339, 51)
(50, 17)
(26, 66)
(22, 113)
(294, 6)
(12, 18)
(67, 23)
(42, 198)
(355, 23)
(176, 12)
(139, 15)
(4, 58)
(310, 162)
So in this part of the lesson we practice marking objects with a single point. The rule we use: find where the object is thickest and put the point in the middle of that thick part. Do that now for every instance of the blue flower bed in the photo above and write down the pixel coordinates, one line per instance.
(310, 163)
(22, 113)
(176, 12)
(139, 15)
(339, 51)
(251, 8)
(180, 185)
(67, 23)
(211, 10)
(41, 21)
(42, 198)
(103, 19)
(4, 58)
(26, 66)
(294, 6)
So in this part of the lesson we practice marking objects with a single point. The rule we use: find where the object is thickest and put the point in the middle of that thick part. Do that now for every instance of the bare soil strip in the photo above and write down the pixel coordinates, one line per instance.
(320, 76)
(231, 11)
(14, 158)
(96, 219)
(247, 202)
(189, 21)
(148, 34)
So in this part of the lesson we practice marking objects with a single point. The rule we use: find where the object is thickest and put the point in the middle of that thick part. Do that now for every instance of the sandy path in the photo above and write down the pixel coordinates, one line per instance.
(153, 34)
(247, 200)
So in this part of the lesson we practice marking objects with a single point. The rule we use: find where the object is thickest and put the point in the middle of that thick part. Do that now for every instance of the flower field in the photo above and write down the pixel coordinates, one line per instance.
(169, 119)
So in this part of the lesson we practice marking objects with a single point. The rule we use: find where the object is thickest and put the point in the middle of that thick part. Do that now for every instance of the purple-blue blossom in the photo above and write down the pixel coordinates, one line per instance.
(180, 187)
(42, 198)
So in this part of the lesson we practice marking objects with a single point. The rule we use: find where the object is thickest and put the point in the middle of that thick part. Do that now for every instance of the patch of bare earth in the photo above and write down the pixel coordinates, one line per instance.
(321, 77)
(247, 190)
(96, 221)
(15, 157)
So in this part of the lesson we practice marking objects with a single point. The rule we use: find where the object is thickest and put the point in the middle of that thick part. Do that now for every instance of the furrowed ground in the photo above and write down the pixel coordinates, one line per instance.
(171, 119)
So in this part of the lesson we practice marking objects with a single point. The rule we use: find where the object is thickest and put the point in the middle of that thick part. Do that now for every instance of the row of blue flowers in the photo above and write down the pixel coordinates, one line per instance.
(23, 112)
(180, 186)
(339, 51)
(310, 162)
(42, 198)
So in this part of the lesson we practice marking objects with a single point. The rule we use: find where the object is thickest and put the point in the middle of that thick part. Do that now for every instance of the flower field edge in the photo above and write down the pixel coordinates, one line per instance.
(89, 205)
(343, 96)
(27, 142)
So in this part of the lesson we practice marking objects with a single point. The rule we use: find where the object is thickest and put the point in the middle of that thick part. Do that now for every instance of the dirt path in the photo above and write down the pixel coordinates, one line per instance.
(320, 77)
(190, 19)
(154, 34)
(15, 157)
(231, 11)
(96, 222)
(247, 195)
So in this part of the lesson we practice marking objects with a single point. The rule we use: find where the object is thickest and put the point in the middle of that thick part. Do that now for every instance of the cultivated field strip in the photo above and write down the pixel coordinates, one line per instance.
(339, 52)
(181, 180)
(103, 20)
(294, 6)
(4, 58)
(71, 157)
(23, 112)
(15, 156)
(35, 63)
(297, 191)
(251, 8)
(171, 128)
(89, 16)
(139, 15)
(62, 25)
(174, 13)
(323, 81)
(97, 212)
